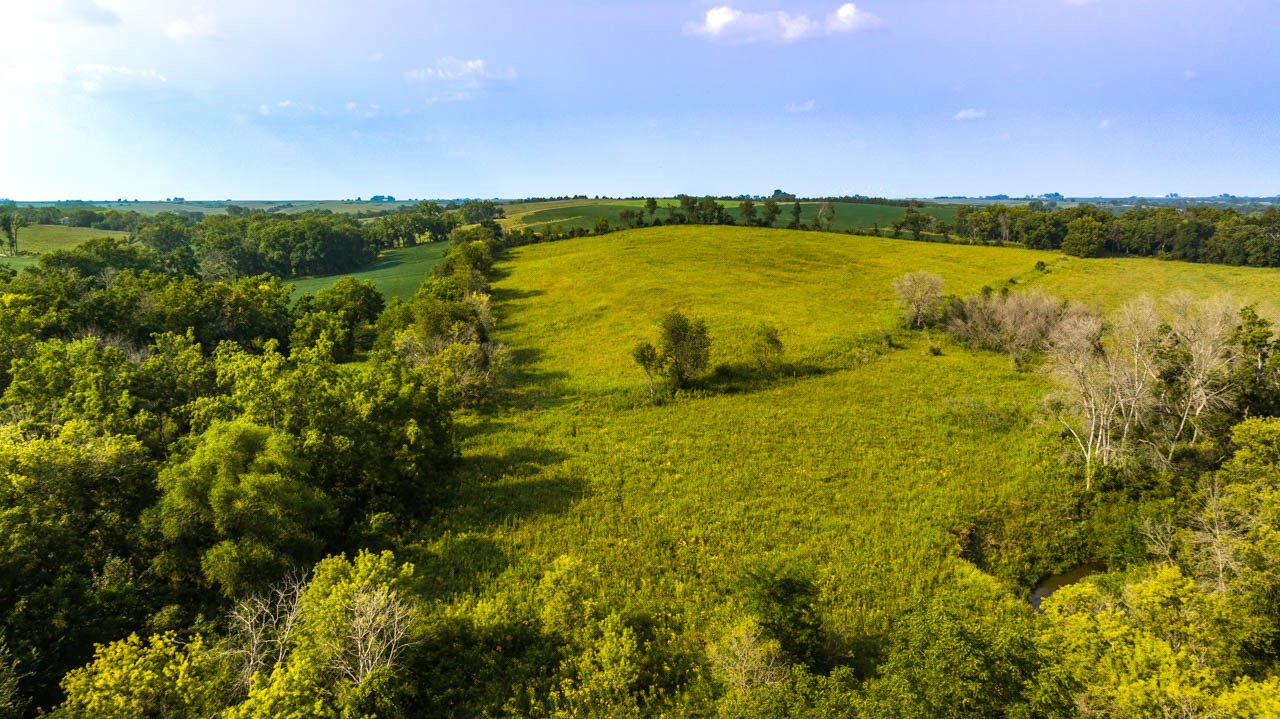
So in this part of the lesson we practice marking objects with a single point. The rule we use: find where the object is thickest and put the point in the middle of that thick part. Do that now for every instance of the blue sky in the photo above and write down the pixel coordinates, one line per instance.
(244, 99)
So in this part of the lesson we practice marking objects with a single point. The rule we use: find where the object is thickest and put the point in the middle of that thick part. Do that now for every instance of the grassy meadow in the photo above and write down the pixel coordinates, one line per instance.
(861, 468)
(35, 240)
(396, 273)
(39, 239)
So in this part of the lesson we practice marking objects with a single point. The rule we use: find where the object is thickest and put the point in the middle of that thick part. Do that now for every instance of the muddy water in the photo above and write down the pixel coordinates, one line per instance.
(1054, 582)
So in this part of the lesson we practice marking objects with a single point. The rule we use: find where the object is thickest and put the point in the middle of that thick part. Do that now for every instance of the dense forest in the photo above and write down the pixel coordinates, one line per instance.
(212, 491)
(174, 444)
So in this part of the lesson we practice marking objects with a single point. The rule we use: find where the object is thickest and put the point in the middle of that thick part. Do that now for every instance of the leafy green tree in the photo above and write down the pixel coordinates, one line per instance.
(170, 240)
(747, 212)
(138, 679)
(238, 512)
(1083, 238)
(83, 380)
(795, 216)
(651, 207)
(377, 437)
(10, 223)
(958, 656)
(785, 605)
(646, 355)
(914, 221)
(12, 703)
(769, 216)
(326, 330)
(1161, 648)
(766, 348)
(69, 506)
(684, 346)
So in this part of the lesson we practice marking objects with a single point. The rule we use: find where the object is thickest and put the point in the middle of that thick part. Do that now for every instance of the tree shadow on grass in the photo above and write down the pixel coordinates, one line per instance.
(510, 487)
(742, 377)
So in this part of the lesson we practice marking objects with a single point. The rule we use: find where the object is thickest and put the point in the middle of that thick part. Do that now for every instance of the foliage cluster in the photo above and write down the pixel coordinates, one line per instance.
(1192, 234)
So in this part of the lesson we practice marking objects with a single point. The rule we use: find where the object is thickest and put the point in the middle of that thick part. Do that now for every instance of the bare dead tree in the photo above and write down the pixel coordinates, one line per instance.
(1204, 332)
(919, 294)
(746, 660)
(1026, 320)
(1134, 365)
(1162, 539)
(1088, 405)
(1218, 538)
(376, 633)
(263, 626)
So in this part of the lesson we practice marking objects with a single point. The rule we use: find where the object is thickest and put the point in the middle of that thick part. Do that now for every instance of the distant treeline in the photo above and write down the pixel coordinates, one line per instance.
(245, 243)
(1191, 234)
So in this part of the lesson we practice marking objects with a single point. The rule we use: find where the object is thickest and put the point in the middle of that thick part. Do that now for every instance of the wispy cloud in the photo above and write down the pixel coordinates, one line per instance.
(199, 26)
(969, 113)
(453, 70)
(95, 77)
(806, 106)
(367, 112)
(455, 80)
(289, 108)
(728, 24)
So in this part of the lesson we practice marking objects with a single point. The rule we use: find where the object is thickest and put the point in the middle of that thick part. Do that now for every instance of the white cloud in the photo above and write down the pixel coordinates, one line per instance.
(366, 111)
(288, 108)
(455, 80)
(969, 114)
(94, 77)
(199, 26)
(806, 106)
(728, 24)
(453, 70)
(848, 18)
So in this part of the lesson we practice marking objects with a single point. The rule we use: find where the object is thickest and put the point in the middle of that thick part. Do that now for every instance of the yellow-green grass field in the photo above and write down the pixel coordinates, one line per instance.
(860, 474)
(860, 471)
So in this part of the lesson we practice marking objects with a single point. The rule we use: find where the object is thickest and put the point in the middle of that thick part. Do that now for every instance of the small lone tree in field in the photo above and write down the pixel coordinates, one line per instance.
(685, 347)
(683, 351)
(647, 357)
(766, 348)
(919, 294)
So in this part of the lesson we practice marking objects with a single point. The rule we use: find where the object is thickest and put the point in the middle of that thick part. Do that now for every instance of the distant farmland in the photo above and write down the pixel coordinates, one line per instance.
(396, 273)
(583, 214)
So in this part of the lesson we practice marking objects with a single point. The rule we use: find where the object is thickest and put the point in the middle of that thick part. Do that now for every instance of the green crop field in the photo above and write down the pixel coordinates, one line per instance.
(38, 239)
(397, 273)
(570, 214)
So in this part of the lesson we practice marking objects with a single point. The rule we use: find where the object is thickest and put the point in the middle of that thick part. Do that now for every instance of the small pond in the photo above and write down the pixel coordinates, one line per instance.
(1054, 582)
